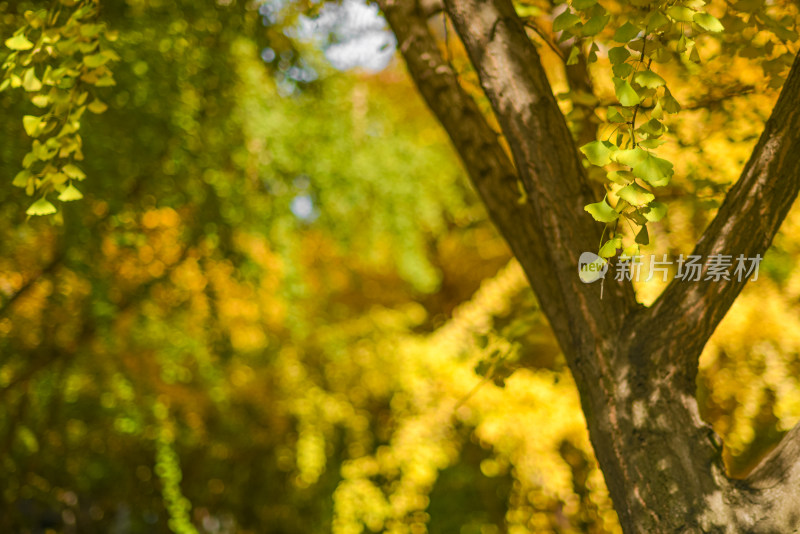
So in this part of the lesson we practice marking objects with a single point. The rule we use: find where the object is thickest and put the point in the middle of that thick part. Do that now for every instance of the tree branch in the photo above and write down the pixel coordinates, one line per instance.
(495, 177)
(513, 78)
(769, 496)
(746, 223)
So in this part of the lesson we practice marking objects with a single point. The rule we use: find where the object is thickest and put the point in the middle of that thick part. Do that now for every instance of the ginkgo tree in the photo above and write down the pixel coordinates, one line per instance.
(557, 182)
(635, 366)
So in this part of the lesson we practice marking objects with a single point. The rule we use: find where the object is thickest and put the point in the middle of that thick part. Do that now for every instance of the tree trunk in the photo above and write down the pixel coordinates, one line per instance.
(635, 367)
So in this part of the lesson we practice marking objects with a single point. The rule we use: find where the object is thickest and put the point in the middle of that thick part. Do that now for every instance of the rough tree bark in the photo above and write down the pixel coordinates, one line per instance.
(635, 367)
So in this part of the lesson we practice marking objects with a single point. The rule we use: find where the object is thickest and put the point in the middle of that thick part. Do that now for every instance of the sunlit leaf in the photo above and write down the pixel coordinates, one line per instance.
(708, 22)
(602, 212)
(70, 193)
(19, 42)
(41, 207)
(564, 21)
(626, 95)
(635, 195)
(626, 33)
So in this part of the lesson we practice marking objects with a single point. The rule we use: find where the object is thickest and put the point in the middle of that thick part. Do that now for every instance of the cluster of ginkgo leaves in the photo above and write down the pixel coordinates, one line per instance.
(58, 57)
(654, 34)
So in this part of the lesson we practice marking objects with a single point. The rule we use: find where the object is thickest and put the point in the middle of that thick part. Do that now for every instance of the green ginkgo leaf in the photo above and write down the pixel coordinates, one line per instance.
(694, 55)
(680, 13)
(70, 193)
(30, 82)
(626, 33)
(19, 42)
(652, 143)
(708, 22)
(636, 195)
(643, 237)
(574, 52)
(654, 170)
(669, 104)
(626, 95)
(621, 177)
(597, 153)
(649, 79)
(41, 207)
(31, 124)
(613, 115)
(595, 25)
(655, 21)
(610, 247)
(22, 177)
(630, 157)
(73, 172)
(97, 106)
(622, 70)
(95, 60)
(618, 54)
(564, 21)
(602, 212)
(655, 211)
(41, 101)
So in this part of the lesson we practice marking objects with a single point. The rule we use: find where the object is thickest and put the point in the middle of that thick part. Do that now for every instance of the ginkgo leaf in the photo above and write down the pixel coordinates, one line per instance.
(597, 153)
(669, 104)
(626, 33)
(621, 177)
(573, 55)
(70, 193)
(97, 106)
(708, 22)
(30, 82)
(653, 128)
(652, 143)
(95, 60)
(41, 101)
(105, 81)
(564, 21)
(626, 95)
(630, 157)
(31, 124)
(19, 42)
(610, 247)
(22, 177)
(637, 217)
(655, 211)
(654, 170)
(655, 21)
(595, 25)
(73, 172)
(636, 195)
(602, 212)
(613, 115)
(649, 79)
(41, 207)
(622, 70)
(680, 13)
(642, 238)
(618, 54)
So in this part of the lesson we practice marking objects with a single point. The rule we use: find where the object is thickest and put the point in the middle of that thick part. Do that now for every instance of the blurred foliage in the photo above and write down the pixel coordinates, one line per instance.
(280, 308)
